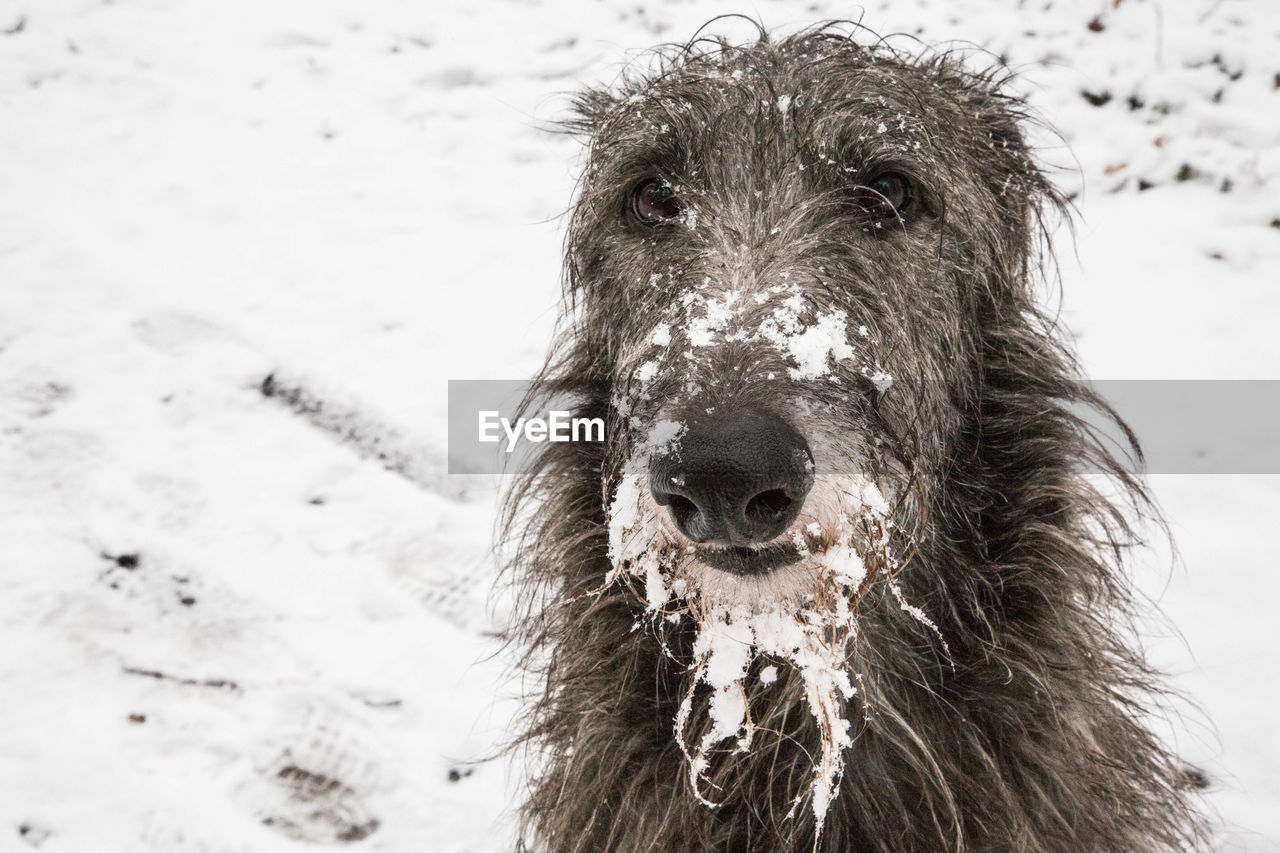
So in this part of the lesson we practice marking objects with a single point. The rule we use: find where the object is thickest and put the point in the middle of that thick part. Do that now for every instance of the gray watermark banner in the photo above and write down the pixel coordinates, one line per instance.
(1197, 426)
(496, 426)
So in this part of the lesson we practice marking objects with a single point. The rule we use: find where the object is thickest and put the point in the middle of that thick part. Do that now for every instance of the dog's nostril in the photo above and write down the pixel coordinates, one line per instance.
(682, 509)
(768, 506)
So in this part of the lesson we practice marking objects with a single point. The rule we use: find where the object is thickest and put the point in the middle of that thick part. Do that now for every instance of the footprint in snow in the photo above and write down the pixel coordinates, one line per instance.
(315, 781)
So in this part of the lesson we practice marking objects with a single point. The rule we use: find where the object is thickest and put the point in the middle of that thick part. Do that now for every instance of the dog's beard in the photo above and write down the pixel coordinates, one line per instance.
(729, 640)
(803, 615)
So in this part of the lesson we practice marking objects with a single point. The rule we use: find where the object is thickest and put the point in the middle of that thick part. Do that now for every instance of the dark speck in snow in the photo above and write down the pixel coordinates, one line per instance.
(126, 561)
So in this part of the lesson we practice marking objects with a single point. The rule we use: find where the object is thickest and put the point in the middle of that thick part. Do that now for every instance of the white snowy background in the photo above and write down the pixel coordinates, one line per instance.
(231, 622)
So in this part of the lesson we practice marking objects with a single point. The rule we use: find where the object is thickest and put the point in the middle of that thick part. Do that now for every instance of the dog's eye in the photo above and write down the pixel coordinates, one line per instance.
(654, 202)
(887, 196)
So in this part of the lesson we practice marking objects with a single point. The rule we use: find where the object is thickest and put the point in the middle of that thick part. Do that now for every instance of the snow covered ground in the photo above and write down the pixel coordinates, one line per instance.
(228, 627)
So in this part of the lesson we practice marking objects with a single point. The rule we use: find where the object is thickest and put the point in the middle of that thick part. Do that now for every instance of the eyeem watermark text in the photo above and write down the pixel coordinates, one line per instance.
(557, 426)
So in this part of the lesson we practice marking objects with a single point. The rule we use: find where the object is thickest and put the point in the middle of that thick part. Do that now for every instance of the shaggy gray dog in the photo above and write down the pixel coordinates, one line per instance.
(838, 578)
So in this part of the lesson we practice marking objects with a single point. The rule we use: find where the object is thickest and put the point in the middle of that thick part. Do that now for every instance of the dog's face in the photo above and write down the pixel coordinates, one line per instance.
(787, 260)
(781, 254)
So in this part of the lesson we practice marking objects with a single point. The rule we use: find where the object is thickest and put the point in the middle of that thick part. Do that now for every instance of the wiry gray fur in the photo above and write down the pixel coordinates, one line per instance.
(1029, 735)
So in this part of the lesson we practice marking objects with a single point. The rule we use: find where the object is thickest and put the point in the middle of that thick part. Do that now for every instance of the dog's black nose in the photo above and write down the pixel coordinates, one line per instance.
(735, 480)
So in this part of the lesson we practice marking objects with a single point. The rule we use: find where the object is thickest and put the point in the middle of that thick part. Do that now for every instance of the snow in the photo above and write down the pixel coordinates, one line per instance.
(811, 340)
(625, 519)
(845, 565)
(663, 436)
(221, 617)
(817, 343)
(716, 314)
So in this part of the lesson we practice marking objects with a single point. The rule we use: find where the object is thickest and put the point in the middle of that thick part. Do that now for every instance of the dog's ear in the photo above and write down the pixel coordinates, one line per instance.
(1003, 121)
(588, 111)
(1028, 205)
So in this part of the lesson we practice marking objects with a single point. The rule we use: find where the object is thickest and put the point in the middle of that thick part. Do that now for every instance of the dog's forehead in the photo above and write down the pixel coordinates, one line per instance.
(826, 97)
(832, 112)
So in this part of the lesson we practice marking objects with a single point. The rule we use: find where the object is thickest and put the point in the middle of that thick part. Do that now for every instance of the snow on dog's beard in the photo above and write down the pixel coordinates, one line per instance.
(803, 614)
